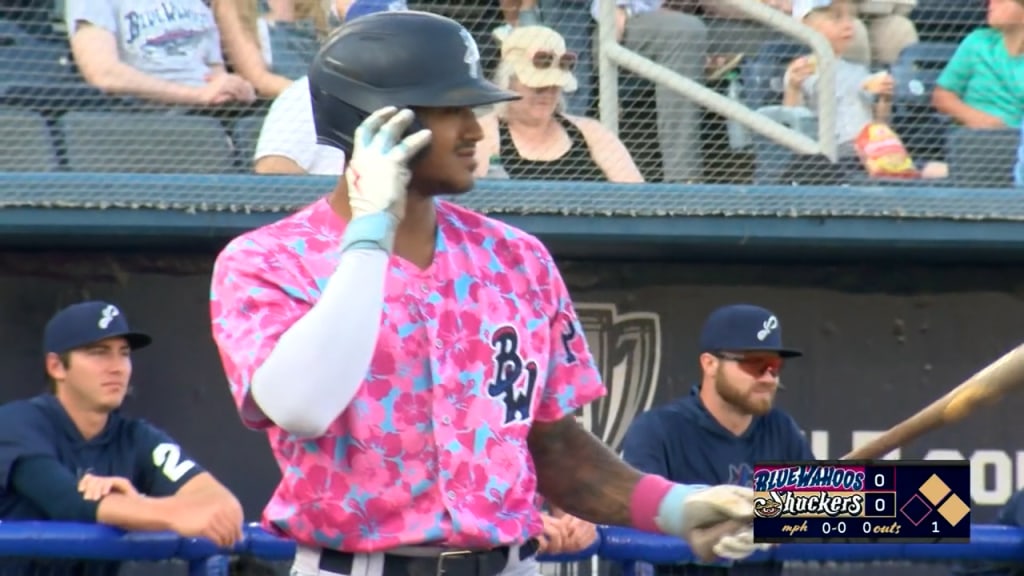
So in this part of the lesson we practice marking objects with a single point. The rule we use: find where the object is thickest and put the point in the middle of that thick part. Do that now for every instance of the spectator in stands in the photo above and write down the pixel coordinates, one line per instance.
(678, 42)
(877, 38)
(287, 142)
(271, 42)
(860, 96)
(533, 138)
(167, 52)
(570, 19)
(981, 85)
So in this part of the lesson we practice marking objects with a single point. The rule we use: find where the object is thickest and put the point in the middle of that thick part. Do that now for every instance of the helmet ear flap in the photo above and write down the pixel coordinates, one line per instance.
(336, 122)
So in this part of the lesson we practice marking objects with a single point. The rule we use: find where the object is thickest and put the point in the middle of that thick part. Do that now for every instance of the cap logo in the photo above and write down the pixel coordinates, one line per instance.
(472, 57)
(107, 316)
(769, 325)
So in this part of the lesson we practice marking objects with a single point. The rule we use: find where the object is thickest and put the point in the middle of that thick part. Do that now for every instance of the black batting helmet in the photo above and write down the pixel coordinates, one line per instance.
(401, 59)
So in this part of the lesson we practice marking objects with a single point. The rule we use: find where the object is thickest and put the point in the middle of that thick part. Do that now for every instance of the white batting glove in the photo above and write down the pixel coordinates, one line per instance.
(738, 545)
(717, 504)
(378, 172)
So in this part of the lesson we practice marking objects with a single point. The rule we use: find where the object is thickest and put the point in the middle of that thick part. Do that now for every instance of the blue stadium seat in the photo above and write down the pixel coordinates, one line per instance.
(773, 159)
(55, 98)
(915, 73)
(293, 45)
(947, 20)
(982, 158)
(26, 143)
(763, 72)
(29, 59)
(145, 142)
(246, 133)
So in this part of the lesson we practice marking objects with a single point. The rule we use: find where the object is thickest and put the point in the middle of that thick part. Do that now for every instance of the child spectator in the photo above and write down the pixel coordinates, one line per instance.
(981, 86)
(860, 96)
(167, 52)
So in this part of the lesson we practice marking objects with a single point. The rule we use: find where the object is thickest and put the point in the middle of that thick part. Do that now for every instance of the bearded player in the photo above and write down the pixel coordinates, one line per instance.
(416, 366)
(729, 422)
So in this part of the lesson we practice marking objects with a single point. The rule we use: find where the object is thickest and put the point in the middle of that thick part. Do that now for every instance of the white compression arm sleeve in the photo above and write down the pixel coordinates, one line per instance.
(319, 363)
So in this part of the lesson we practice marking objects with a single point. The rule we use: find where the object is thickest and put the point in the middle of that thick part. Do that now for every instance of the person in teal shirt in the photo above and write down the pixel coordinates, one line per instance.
(982, 86)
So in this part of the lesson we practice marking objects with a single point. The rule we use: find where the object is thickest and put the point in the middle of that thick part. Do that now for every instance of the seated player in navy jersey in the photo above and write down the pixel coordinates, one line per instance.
(71, 455)
(728, 423)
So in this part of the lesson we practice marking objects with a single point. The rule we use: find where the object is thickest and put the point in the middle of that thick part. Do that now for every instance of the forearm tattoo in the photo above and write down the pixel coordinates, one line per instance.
(580, 474)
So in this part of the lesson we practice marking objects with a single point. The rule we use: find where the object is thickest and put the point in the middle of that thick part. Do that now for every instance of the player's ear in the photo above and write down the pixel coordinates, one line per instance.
(708, 363)
(56, 368)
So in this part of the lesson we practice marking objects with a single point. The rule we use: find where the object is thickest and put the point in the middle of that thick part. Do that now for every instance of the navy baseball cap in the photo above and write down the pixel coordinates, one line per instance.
(744, 328)
(86, 323)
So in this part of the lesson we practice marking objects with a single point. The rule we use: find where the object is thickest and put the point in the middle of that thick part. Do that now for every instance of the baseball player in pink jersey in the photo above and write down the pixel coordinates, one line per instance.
(415, 365)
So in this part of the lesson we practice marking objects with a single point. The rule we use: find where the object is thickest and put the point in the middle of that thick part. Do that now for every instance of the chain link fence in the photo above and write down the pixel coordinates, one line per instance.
(185, 87)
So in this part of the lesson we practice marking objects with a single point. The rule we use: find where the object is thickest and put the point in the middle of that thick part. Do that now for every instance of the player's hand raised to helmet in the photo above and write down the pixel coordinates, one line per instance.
(378, 172)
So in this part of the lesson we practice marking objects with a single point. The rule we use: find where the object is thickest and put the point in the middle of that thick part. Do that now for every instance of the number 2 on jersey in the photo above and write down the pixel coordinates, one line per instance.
(167, 457)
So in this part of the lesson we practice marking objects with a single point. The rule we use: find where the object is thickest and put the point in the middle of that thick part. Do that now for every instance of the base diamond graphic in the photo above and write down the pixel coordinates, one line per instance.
(954, 510)
(916, 509)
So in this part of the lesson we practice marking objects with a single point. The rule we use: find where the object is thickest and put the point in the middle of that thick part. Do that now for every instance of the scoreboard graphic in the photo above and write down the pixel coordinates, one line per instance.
(862, 502)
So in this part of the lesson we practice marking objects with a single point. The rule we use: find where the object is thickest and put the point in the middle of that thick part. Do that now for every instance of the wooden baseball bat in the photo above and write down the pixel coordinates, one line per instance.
(983, 389)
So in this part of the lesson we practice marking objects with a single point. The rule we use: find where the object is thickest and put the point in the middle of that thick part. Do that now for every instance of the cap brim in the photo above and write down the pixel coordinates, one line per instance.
(783, 352)
(136, 340)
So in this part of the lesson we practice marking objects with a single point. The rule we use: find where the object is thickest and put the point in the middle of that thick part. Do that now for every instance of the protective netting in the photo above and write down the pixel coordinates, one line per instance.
(103, 107)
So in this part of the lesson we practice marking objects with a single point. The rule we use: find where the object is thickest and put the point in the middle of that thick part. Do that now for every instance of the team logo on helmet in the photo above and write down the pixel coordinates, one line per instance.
(627, 350)
(472, 57)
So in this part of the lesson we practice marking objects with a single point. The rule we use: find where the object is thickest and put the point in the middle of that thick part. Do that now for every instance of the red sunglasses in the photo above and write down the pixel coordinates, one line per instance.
(544, 59)
(756, 366)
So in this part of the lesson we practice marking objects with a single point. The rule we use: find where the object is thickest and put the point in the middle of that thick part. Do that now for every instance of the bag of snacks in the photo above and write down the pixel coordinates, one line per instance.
(883, 153)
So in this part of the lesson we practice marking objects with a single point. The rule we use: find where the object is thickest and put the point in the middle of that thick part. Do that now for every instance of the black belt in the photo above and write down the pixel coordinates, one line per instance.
(454, 563)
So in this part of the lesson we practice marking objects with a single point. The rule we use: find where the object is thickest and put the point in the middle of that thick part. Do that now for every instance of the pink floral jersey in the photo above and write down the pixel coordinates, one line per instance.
(471, 351)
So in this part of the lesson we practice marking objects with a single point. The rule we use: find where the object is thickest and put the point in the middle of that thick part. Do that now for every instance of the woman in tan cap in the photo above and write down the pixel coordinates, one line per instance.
(532, 138)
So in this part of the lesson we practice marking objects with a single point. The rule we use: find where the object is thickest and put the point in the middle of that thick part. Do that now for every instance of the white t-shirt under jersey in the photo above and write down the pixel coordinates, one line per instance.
(289, 131)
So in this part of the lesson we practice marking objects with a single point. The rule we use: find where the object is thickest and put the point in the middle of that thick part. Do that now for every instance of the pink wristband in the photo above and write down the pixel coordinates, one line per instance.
(645, 501)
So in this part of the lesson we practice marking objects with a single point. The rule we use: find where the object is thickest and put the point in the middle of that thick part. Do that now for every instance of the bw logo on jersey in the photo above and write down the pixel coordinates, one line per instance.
(515, 379)
(627, 350)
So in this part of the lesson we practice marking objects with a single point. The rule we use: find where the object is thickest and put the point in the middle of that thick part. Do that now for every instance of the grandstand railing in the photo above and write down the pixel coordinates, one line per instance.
(49, 540)
(612, 55)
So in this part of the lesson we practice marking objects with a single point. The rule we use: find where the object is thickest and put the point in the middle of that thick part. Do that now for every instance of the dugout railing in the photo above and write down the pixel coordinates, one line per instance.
(992, 548)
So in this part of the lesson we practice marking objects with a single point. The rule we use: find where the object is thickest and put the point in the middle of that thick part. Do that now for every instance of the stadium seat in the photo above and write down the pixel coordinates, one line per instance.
(762, 74)
(145, 142)
(55, 98)
(29, 59)
(773, 159)
(947, 20)
(982, 158)
(245, 133)
(293, 45)
(914, 118)
(26, 144)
